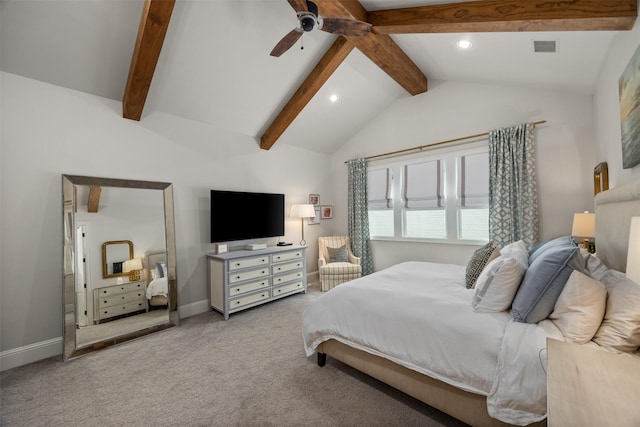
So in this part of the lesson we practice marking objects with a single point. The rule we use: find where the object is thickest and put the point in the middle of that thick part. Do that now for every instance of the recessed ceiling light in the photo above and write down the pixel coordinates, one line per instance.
(463, 44)
(333, 98)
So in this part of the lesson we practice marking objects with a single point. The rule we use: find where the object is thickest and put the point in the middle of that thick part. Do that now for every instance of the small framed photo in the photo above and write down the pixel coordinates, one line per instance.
(315, 219)
(327, 212)
(314, 199)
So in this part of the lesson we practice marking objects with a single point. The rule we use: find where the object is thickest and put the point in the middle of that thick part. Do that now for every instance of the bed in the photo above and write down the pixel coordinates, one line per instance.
(155, 262)
(486, 364)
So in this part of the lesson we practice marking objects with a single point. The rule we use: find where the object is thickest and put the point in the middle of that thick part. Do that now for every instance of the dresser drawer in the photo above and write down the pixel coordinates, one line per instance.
(135, 296)
(238, 264)
(241, 276)
(287, 256)
(285, 289)
(287, 277)
(245, 300)
(289, 266)
(119, 289)
(248, 287)
(117, 310)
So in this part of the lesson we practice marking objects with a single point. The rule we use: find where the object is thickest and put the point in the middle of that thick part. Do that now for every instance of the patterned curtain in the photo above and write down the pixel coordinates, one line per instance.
(358, 214)
(513, 195)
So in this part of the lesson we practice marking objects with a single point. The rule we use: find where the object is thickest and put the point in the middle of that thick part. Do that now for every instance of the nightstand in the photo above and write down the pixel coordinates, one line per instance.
(591, 387)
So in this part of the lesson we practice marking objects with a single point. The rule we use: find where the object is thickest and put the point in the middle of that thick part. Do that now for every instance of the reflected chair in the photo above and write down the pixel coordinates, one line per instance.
(336, 263)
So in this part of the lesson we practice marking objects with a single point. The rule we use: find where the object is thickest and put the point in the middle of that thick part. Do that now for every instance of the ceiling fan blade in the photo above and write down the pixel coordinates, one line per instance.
(346, 27)
(299, 5)
(286, 42)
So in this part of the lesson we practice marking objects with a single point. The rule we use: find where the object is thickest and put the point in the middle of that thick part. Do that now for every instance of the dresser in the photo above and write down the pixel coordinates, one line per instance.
(242, 279)
(111, 301)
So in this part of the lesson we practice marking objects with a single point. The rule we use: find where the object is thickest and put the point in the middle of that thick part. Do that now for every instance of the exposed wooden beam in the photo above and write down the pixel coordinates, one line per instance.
(382, 50)
(94, 198)
(314, 81)
(387, 55)
(505, 15)
(151, 32)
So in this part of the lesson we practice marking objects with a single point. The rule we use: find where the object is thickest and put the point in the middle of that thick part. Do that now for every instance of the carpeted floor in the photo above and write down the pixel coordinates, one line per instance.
(248, 371)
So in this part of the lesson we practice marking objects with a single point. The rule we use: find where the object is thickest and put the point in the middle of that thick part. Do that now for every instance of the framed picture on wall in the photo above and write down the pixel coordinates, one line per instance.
(629, 88)
(315, 219)
(314, 199)
(327, 211)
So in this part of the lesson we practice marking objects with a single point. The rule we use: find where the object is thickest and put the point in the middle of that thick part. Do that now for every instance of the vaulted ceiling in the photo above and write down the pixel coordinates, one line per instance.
(213, 64)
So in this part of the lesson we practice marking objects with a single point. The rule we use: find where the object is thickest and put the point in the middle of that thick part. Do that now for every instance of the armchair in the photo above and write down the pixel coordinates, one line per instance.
(336, 263)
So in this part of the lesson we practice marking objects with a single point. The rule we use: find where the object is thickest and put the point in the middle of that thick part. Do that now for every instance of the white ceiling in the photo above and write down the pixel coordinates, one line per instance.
(215, 66)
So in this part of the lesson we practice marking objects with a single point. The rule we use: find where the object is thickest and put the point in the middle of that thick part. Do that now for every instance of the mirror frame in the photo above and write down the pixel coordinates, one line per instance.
(69, 204)
(105, 266)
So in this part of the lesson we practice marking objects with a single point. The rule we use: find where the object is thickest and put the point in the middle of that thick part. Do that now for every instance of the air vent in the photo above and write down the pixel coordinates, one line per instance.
(544, 46)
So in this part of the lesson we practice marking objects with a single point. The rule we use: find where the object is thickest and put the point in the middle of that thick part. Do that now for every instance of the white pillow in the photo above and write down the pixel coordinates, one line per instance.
(620, 329)
(517, 250)
(580, 308)
(497, 285)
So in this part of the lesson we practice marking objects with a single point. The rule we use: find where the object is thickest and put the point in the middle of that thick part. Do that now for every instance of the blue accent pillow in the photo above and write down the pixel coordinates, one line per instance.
(160, 268)
(542, 247)
(544, 280)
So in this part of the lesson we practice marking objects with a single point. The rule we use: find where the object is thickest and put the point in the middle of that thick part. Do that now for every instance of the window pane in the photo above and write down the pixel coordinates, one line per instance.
(474, 224)
(425, 223)
(381, 223)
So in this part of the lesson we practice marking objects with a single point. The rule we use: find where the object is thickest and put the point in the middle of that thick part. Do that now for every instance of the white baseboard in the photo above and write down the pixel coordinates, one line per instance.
(41, 350)
(194, 308)
(30, 353)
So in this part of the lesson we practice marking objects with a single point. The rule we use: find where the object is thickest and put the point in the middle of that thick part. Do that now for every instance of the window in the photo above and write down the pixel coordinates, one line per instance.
(444, 198)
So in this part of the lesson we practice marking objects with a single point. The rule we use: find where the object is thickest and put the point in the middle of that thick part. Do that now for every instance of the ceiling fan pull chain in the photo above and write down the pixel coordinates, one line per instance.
(302, 42)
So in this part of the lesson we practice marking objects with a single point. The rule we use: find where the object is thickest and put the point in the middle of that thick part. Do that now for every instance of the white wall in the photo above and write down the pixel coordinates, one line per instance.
(564, 151)
(48, 131)
(606, 112)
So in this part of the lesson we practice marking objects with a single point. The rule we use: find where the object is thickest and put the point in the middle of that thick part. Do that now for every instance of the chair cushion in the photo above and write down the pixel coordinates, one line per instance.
(338, 254)
(340, 268)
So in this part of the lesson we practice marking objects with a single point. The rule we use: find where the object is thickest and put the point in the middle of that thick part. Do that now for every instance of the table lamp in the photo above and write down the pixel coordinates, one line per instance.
(302, 212)
(133, 267)
(584, 225)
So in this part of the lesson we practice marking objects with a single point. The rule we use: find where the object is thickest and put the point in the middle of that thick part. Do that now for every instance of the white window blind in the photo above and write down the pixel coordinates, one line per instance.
(423, 185)
(379, 188)
(473, 179)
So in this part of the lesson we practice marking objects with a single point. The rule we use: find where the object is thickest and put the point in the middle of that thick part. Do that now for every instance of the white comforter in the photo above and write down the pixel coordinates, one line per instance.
(419, 315)
(157, 286)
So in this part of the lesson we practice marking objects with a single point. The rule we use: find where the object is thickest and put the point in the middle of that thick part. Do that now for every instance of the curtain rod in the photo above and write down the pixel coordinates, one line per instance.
(422, 147)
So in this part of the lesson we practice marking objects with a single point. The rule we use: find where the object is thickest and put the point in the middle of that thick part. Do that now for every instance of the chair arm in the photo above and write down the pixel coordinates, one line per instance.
(354, 259)
(321, 262)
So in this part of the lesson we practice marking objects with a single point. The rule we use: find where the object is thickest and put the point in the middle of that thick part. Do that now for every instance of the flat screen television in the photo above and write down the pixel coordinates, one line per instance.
(238, 215)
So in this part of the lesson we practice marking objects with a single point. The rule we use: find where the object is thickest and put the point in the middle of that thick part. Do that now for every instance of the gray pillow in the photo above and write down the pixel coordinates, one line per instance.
(542, 247)
(476, 264)
(338, 254)
(543, 282)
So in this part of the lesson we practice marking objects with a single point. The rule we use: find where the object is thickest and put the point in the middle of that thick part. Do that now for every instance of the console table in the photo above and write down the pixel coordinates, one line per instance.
(242, 279)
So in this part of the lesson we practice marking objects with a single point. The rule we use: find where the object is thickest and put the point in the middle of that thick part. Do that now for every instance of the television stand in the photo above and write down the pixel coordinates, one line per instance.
(242, 279)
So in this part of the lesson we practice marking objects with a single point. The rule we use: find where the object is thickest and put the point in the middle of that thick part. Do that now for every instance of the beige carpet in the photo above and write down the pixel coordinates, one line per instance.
(248, 371)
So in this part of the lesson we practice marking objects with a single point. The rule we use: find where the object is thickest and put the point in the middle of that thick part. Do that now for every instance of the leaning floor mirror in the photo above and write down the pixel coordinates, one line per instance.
(119, 272)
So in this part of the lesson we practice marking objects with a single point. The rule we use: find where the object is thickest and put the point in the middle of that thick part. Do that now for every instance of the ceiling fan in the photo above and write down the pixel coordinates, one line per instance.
(309, 20)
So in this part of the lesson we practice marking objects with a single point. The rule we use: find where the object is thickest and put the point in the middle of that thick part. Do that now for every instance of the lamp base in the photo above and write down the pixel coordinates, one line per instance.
(134, 275)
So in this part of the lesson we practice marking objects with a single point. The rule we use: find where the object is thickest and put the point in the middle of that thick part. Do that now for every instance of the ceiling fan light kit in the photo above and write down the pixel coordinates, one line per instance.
(308, 20)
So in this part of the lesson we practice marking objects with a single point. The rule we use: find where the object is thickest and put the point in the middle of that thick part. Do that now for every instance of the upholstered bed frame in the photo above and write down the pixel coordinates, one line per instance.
(150, 260)
(614, 209)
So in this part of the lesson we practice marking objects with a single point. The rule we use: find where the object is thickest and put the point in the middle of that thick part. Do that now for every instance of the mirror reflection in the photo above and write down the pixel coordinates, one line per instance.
(114, 255)
(119, 252)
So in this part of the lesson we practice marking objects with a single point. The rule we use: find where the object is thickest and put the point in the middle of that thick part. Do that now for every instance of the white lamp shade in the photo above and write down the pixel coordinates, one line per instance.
(633, 254)
(132, 264)
(302, 211)
(584, 225)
